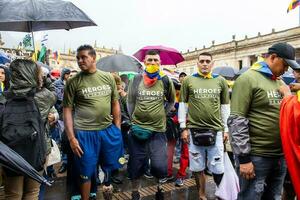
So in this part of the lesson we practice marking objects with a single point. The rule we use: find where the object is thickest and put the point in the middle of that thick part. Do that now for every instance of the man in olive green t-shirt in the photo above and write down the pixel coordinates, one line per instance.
(97, 138)
(254, 125)
(150, 96)
(207, 97)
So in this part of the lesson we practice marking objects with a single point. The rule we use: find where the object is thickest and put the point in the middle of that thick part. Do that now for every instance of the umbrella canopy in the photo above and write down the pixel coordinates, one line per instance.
(4, 58)
(38, 15)
(43, 65)
(288, 77)
(119, 63)
(227, 72)
(168, 56)
(14, 162)
(244, 69)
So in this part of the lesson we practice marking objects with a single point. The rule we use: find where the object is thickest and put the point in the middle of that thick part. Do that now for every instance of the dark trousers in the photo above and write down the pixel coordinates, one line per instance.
(268, 181)
(154, 148)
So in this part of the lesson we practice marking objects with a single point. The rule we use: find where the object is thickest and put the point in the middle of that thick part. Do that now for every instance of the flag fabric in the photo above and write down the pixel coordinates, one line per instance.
(44, 39)
(27, 41)
(56, 56)
(293, 5)
(42, 54)
(35, 55)
(290, 137)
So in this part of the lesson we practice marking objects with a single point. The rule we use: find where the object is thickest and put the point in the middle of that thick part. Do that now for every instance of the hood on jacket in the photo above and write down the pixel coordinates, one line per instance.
(7, 76)
(63, 72)
(24, 76)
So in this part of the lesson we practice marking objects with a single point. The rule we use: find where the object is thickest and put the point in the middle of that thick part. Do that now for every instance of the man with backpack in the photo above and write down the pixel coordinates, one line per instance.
(150, 97)
(23, 124)
(97, 138)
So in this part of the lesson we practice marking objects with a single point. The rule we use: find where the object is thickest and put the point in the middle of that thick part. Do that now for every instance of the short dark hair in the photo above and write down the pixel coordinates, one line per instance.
(152, 52)
(205, 54)
(87, 47)
(182, 74)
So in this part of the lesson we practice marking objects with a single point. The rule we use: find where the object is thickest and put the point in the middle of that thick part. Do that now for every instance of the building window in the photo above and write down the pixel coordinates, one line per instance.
(240, 64)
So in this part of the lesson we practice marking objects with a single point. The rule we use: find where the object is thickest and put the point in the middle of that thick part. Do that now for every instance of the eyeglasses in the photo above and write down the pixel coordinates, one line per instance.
(202, 61)
(152, 59)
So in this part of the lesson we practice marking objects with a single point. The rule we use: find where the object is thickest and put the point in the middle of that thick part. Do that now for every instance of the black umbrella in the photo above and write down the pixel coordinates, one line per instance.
(227, 72)
(119, 63)
(39, 15)
(13, 161)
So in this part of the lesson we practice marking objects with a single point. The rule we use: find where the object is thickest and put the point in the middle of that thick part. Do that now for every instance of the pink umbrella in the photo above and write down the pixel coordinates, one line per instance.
(168, 56)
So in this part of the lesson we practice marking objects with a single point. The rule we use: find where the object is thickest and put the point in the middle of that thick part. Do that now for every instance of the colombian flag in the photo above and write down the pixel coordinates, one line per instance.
(293, 5)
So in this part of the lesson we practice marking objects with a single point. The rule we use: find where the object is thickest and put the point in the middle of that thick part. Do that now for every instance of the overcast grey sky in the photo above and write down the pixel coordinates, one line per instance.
(182, 24)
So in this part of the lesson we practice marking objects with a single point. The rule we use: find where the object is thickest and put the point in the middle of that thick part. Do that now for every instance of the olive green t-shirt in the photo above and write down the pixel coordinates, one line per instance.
(149, 111)
(257, 98)
(91, 96)
(204, 98)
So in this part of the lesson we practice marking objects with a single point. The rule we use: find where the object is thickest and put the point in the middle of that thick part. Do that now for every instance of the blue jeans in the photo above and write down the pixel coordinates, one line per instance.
(268, 181)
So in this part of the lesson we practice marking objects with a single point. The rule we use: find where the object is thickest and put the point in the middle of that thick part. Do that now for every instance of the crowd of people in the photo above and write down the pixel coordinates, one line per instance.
(102, 120)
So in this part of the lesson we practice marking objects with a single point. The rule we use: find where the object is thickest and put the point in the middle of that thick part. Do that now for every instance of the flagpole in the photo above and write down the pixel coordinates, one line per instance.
(299, 14)
(33, 41)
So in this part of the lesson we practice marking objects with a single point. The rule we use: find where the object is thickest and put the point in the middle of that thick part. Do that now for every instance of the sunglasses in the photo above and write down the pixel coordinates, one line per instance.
(202, 61)
(152, 59)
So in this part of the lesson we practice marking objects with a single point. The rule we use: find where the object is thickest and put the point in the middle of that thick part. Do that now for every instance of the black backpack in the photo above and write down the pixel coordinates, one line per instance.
(23, 129)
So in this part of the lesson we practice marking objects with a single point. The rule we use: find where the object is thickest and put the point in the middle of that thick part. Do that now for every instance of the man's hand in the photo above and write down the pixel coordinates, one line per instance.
(225, 137)
(185, 136)
(247, 170)
(76, 147)
(51, 118)
(295, 87)
(285, 90)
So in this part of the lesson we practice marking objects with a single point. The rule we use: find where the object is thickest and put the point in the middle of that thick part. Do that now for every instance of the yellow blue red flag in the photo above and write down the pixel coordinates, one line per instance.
(293, 5)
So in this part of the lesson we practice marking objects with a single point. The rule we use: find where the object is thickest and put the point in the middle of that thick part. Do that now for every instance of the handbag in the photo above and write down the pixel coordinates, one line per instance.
(203, 137)
(140, 133)
(54, 156)
(229, 186)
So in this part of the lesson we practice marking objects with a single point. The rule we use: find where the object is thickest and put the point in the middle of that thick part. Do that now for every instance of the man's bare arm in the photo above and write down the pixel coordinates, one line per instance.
(69, 128)
(116, 113)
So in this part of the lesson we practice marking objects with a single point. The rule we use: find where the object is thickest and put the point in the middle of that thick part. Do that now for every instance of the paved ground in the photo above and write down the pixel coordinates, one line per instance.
(122, 192)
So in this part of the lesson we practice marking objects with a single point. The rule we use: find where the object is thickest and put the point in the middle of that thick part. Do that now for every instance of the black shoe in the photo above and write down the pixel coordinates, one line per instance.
(159, 195)
(135, 195)
(52, 175)
(62, 169)
(148, 175)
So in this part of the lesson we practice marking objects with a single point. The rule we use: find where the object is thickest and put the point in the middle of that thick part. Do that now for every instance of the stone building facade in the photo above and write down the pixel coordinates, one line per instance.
(241, 53)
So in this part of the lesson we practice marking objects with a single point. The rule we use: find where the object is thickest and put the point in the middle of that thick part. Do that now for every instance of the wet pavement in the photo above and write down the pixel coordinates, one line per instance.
(122, 192)
(58, 191)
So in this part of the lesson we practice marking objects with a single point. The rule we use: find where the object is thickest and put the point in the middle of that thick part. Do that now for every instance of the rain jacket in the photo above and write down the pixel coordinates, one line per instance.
(23, 80)
(59, 90)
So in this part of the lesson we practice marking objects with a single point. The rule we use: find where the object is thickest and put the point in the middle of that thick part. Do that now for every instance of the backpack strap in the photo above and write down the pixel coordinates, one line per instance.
(169, 97)
(166, 83)
(133, 92)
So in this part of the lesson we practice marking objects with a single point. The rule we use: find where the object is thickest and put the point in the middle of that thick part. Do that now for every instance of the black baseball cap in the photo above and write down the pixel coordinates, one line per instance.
(286, 52)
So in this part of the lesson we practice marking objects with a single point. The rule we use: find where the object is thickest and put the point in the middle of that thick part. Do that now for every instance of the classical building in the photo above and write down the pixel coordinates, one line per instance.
(69, 59)
(241, 53)
(58, 60)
